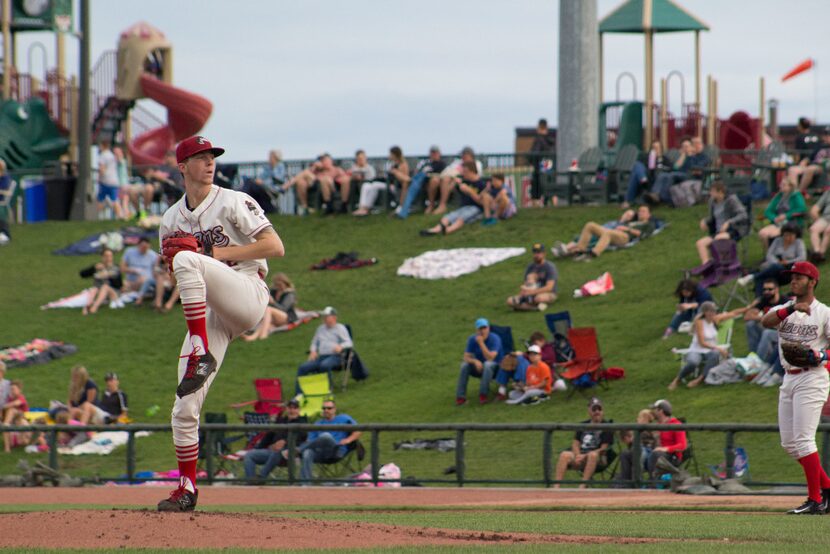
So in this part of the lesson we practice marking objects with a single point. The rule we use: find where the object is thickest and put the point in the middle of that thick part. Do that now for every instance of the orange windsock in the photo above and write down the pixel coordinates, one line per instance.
(799, 69)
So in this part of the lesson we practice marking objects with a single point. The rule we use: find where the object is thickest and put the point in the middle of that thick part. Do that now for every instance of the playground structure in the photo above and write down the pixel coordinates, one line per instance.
(640, 122)
(39, 115)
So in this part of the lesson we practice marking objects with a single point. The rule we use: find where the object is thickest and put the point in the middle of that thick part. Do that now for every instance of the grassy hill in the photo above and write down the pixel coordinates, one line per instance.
(410, 333)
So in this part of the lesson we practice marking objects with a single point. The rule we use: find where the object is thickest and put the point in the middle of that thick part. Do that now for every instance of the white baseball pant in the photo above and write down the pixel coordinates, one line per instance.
(800, 400)
(235, 301)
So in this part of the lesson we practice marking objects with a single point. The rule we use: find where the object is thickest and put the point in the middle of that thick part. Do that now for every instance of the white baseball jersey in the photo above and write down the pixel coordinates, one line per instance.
(224, 218)
(812, 331)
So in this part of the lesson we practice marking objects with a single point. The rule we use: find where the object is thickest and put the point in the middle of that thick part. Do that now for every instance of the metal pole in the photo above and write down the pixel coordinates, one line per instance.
(292, 453)
(601, 71)
(7, 48)
(759, 144)
(53, 449)
(649, 134)
(730, 454)
(459, 457)
(825, 450)
(81, 203)
(636, 462)
(130, 456)
(664, 114)
(375, 456)
(547, 445)
(697, 76)
(209, 451)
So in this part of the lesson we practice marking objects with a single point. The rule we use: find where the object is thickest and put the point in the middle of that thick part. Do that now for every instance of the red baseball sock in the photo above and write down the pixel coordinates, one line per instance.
(187, 456)
(816, 478)
(194, 315)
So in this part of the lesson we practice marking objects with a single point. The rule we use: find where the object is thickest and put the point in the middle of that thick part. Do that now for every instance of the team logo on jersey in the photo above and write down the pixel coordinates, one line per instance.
(252, 207)
(798, 332)
(214, 236)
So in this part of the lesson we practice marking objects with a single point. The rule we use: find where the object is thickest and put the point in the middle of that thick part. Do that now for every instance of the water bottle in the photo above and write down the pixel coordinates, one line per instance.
(152, 410)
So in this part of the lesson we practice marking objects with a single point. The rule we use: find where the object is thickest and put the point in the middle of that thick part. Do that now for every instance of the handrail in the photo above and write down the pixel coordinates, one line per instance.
(461, 429)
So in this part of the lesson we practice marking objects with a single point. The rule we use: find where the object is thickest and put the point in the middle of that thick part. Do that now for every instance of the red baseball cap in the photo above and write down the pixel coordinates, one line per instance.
(804, 268)
(193, 145)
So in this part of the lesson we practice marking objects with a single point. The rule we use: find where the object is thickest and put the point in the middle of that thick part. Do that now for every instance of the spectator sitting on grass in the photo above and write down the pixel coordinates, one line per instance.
(450, 178)
(513, 365)
(5, 387)
(471, 187)
(538, 380)
(281, 308)
(362, 176)
(263, 188)
(690, 295)
(326, 446)
(648, 440)
(727, 220)
(787, 205)
(83, 395)
(165, 286)
(14, 408)
(112, 406)
(268, 452)
(628, 229)
(672, 443)
(14, 439)
(589, 449)
(328, 342)
(704, 347)
(137, 265)
(497, 201)
(784, 251)
(481, 359)
(106, 283)
(322, 171)
(428, 171)
(541, 282)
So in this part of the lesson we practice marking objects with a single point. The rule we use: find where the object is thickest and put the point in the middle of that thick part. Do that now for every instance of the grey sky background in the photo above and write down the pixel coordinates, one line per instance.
(334, 75)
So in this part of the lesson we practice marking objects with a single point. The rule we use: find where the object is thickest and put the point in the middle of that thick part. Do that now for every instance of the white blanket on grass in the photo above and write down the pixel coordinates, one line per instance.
(102, 443)
(449, 264)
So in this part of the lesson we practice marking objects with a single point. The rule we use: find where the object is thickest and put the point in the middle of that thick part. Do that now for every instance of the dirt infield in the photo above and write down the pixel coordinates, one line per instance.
(116, 528)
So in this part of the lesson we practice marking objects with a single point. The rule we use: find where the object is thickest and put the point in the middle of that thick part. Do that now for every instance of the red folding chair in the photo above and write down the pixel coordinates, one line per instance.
(585, 369)
(269, 398)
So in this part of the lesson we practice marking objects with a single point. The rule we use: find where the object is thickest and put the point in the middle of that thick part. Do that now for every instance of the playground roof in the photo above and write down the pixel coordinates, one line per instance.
(657, 16)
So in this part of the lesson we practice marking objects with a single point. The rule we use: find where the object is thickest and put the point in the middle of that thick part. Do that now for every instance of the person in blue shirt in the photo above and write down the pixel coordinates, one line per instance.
(481, 359)
(137, 266)
(326, 446)
(690, 295)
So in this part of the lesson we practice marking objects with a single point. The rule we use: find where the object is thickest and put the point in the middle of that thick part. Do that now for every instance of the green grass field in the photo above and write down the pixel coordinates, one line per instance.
(410, 333)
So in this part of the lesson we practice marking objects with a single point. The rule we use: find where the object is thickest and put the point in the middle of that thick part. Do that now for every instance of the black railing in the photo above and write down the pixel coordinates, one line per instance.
(460, 429)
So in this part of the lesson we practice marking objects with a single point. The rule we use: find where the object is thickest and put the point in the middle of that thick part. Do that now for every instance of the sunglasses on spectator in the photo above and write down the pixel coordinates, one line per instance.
(328, 407)
(596, 409)
(765, 289)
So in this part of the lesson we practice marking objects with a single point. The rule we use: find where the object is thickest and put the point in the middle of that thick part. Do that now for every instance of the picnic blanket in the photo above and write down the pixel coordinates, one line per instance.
(452, 263)
(344, 260)
(36, 351)
(115, 240)
(102, 443)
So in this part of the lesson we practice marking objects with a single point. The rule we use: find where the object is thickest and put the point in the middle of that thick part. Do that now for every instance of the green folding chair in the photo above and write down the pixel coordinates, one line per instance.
(316, 390)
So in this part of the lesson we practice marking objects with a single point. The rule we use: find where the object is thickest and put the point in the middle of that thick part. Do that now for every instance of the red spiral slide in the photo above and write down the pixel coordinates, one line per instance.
(187, 113)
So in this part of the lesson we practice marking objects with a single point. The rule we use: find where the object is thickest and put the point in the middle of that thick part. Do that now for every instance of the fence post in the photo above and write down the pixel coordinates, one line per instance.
(547, 445)
(53, 449)
(825, 450)
(130, 456)
(459, 457)
(636, 459)
(730, 454)
(292, 453)
(375, 456)
(209, 454)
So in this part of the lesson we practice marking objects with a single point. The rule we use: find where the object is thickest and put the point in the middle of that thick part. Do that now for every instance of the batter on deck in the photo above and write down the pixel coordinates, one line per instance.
(215, 242)
(804, 336)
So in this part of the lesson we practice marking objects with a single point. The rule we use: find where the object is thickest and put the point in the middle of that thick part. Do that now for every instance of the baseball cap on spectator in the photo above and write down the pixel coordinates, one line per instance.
(663, 405)
(538, 247)
(110, 376)
(294, 403)
(434, 148)
(193, 145)
(534, 348)
(328, 310)
(482, 322)
(467, 150)
(804, 268)
(594, 401)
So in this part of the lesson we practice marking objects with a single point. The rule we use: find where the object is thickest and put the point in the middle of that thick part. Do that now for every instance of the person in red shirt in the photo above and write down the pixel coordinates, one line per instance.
(538, 380)
(672, 443)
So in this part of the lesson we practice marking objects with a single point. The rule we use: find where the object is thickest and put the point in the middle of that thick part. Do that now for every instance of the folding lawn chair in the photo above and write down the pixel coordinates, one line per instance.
(722, 272)
(506, 336)
(349, 464)
(558, 323)
(268, 400)
(252, 438)
(316, 390)
(724, 340)
(584, 369)
(220, 443)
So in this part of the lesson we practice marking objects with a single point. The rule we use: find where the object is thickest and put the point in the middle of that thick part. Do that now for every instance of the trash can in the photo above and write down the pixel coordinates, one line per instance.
(34, 200)
(59, 194)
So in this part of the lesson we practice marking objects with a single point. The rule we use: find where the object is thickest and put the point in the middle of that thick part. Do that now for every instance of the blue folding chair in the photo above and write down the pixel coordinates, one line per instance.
(559, 323)
(506, 336)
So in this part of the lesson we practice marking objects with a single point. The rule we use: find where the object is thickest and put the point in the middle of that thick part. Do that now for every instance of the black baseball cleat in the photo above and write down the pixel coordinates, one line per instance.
(825, 497)
(810, 507)
(198, 370)
(180, 500)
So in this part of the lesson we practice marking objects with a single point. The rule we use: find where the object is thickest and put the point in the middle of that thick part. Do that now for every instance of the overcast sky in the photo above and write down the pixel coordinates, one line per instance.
(334, 75)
